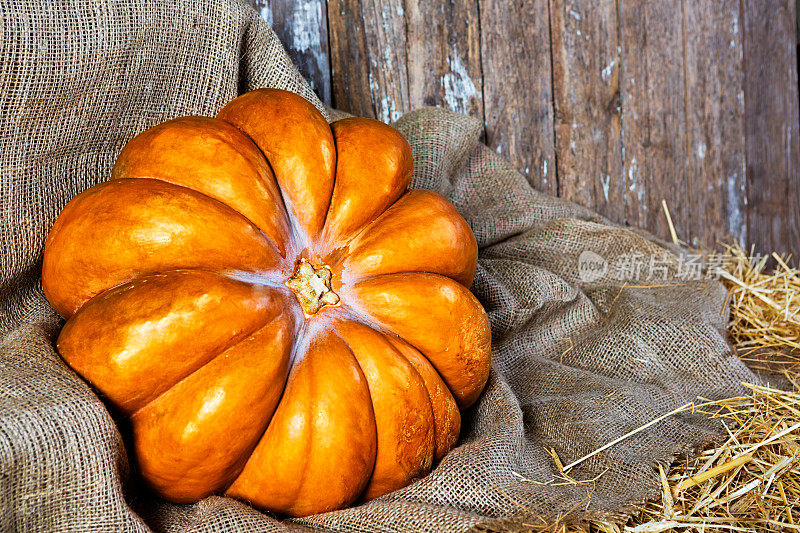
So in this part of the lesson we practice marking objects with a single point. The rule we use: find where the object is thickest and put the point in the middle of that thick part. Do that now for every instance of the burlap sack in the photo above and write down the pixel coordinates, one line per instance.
(576, 363)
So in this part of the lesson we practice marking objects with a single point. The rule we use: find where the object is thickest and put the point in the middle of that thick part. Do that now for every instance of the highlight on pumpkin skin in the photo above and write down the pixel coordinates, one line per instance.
(142, 226)
(320, 447)
(298, 143)
(212, 157)
(194, 439)
(139, 339)
(436, 315)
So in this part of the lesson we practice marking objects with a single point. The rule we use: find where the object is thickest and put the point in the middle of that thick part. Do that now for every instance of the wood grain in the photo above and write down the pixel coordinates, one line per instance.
(587, 104)
(653, 116)
(771, 125)
(517, 88)
(303, 29)
(714, 123)
(368, 54)
(444, 55)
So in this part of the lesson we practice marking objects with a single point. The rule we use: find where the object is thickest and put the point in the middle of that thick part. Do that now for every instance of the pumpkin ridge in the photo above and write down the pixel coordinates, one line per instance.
(256, 442)
(356, 309)
(284, 255)
(208, 467)
(299, 340)
(297, 235)
(342, 259)
(290, 117)
(355, 281)
(209, 154)
(68, 291)
(295, 229)
(368, 476)
(395, 341)
(330, 236)
(235, 343)
(388, 335)
(320, 239)
(189, 299)
(381, 330)
(471, 355)
(413, 422)
(309, 440)
(437, 240)
(311, 380)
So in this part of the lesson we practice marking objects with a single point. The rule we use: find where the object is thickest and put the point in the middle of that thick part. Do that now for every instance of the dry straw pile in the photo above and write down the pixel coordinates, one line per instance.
(751, 481)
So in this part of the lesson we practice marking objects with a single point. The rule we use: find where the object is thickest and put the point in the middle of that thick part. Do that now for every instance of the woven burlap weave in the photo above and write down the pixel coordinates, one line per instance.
(576, 363)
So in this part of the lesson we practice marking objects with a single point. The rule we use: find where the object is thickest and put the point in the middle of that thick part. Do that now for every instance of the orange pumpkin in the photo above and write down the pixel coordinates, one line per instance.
(278, 316)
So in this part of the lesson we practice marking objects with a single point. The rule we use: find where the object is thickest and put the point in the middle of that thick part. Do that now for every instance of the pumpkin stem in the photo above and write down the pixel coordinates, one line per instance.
(312, 287)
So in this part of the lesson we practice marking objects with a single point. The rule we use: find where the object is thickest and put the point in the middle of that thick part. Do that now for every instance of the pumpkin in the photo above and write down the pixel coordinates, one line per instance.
(270, 309)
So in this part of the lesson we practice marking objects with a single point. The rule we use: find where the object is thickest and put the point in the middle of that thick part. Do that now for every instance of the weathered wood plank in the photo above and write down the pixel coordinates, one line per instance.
(653, 115)
(645, 100)
(368, 57)
(349, 58)
(302, 27)
(771, 121)
(517, 87)
(444, 55)
(587, 104)
(715, 122)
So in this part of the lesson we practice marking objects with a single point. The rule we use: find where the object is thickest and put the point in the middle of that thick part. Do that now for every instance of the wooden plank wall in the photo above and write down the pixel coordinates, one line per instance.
(615, 104)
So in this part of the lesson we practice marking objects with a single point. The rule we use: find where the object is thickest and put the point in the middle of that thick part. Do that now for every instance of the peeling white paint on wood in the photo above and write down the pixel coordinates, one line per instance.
(605, 182)
(306, 24)
(388, 111)
(701, 150)
(606, 72)
(388, 54)
(302, 27)
(635, 187)
(373, 83)
(632, 175)
(736, 225)
(459, 90)
(266, 13)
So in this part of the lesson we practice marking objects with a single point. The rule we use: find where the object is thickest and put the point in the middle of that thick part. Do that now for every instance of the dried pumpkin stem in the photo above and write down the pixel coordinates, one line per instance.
(312, 287)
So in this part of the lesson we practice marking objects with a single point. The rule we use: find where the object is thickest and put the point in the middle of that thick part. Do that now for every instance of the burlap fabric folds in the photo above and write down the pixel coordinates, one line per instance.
(576, 363)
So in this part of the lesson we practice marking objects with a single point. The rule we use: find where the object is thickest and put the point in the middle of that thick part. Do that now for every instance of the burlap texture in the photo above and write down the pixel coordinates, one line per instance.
(575, 364)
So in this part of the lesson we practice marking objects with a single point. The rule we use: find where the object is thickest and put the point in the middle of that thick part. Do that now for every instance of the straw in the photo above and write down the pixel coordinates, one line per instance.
(751, 481)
